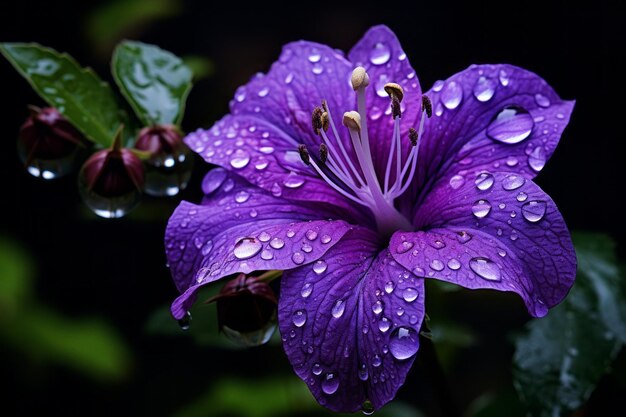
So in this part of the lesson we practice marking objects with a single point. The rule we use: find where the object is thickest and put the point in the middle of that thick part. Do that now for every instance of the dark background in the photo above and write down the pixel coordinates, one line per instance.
(115, 270)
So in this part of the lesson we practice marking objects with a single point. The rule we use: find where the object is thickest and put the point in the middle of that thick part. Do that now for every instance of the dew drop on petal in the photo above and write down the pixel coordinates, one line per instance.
(242, 196)
(290, 233)
(380, 85)
(511, 125)
(264, 236)
(456, 181)
(481, 208)
(330, 383)
(436, 264)
(306, 290)
(363, 374)
(537, 158)
(277, 243)
(317, 369)
(533, 211)
(338, 308)
(438, 110)
(404, 247)
(384, 324)
(389, 286)
(263, 92)
(319, 267)
(452, 95)
(485, 268)
(246, 248)
(266, 255)
(484, 181)
(239, 159)
(297, 258)
(276, 190)
(503, 76)
(311, 235)
(293, 180)
(325, 239)
(542, 100)
(208, 246)
(315, 56)
(377, 307)
(513, 182)
(307, 248)
(299, 318)
(377, 361)
(484, 89)
(454, 264)
(438, 85)
(410, 294)
(403, 343)
(380, 54)
(522, 196)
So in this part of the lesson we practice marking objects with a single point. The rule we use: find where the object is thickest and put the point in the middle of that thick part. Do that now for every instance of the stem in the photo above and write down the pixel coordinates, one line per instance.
(438, 377)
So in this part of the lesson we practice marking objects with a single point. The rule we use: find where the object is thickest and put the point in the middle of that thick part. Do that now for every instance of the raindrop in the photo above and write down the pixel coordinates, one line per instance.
(410, 294)
(306, 290)
(253, 213)
(399, 311)
(456, 181)
(206, 249)
(276, 190)
(293, 180)
(403, 343)
(289, 78)
(511, 161)
(363, 374)
(246, 248)
(185, 322)
(315, 56)
(512, 182)
(481, 208)
(413, 319)
(438, 110)
(377, 361)
(311, 234)
(377, 307)
(522, 196)
(485, 268)
(404, 247)
(297, 258)
(319, 267)
(454, 264)
(277, 243)
(438, 244)
(307, 248)
(452, 95)
(264, 236)
(504, 78)
(380, 85)
(242, 196)
(380, 54)
(299, 318)
(317, 369)
(438, 85)
(501, 253)
(533, 211)
(317, 69)
(290, 233)
(537, 158)
(484, 181)
(542, 100)
(338, 309)
(484, 89)
(389, 286)
(384, 324)
(325, 239)
(330, 383)
(239, 159)
(511, 125)
(436, 264)
(263, 92)
(266, 255)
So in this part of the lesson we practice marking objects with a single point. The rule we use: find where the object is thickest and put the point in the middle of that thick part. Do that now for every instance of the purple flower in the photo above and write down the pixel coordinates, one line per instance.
(358, 207)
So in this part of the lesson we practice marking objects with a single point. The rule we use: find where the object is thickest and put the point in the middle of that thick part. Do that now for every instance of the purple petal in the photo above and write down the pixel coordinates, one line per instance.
(491, 117)
(498, 231)
(350, 323)
(240, 228)
(380, 53)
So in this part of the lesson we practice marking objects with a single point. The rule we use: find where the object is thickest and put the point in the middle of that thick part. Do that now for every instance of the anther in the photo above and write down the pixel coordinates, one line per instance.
(427, 106)
(412, 136)
(359, 78)
(323, 153)
(395, 107)
(352, 120)
(304, 154)
(316, 120)
(394, 90)
(325, 121)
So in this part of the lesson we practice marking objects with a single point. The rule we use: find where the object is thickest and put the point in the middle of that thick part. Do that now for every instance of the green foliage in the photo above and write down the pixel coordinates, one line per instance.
(77, 92)
(559, 361)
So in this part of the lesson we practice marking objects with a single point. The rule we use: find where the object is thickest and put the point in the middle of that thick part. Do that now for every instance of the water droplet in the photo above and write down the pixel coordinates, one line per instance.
(306, 290)
(484, 181)
(511, 161)
(277, 243)
(185, 322)
(375, 113)
(365, 329)
(384, 324)
(377, 361)
(276, 190)
(266, 149)
(290, 233)
(484, 89)
(513, 182)
(317, 68)
(263, 92)
(438, 85)
(481, 208)
(403, 343)
(246, 248)
(325, 239)
(456, 181)
(437, 244)
(413, 319)
(242, 196)
(319, 267)
(311, 235)
(266, 255)
(293, 180)
(306, 248)
(315, 56)
(511, 125)
(380, 85)
(239, 159)
(501, 253)
(297, 258)
(363, 374)
(537, 158)
(377, 307)
(400, 311)
(263, 236)
(438, 110)
(410, 294)
(338, 309)
(485, 268)
(380, 54)
(452, 95)
(542, 100)
(240, 94)
(404, 247)
(522, 196)
(317, 369)
(436, 264)
(299, 318)
(289, 78)
(454, 264)
(330, 383)
(503, 76)
(533, 211)
(389, 286)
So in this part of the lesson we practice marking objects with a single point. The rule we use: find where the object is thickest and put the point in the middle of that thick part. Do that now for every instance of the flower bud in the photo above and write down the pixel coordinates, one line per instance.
(246, 310)
(48, 143)
(110, 182)
(169, 165)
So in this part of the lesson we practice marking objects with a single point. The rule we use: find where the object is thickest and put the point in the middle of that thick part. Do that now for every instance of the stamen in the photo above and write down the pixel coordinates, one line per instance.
(359, 78)
(427, 106)
(395, 107)
(352, 120)
(394, 90)
(304, 154)
(316, 120)
(325, 122)
(323, 153)
(413, 136)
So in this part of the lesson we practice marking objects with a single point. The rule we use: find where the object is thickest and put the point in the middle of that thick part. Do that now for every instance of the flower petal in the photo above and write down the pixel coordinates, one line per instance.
(501, 232)
(350, 323)
(380, 53)
(241, 228)
(491, 117)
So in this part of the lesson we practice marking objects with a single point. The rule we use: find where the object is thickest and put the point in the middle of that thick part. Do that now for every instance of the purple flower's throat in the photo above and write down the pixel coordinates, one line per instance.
(359, 182)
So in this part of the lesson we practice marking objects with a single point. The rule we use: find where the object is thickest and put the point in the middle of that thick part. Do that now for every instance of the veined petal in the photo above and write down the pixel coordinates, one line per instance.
(500, 231)
(490, 117)
(350, 323)
(241, 228)
(380, 53)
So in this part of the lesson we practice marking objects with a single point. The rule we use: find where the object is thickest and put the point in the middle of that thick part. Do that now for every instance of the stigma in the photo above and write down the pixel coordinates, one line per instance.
(349, 168)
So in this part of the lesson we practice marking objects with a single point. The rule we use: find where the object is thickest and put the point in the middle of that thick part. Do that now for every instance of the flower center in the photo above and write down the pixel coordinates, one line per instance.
(357, 179)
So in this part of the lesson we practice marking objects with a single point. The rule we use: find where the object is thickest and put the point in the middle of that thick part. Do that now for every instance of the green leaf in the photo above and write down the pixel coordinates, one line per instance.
(83, 98)
(15, 279)
(155, 82)
(560, 359)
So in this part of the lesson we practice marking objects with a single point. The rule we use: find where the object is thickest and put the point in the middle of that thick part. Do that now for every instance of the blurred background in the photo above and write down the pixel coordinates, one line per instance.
(84, 329)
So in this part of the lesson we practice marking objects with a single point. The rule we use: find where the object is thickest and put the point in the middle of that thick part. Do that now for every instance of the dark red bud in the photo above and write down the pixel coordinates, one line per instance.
(160, 140)
(113, 172)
